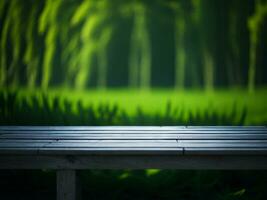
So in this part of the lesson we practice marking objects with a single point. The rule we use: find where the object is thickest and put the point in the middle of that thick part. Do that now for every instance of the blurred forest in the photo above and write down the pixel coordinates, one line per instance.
(179, 44)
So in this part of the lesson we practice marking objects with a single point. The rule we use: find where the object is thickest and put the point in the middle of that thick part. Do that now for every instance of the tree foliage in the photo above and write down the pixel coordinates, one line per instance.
(82, 44)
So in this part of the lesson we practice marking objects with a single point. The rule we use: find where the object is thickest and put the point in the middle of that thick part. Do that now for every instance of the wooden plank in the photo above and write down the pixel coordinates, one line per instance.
(66, 185)
(134, 128)
(226, 127)
(19, 151)
(239, 162)
(180, 131)
(14, 140)
(88, 136)
(133, 143)
(151, 143)
(91, 151)
(86, 141)
(225, 151)
(23, 145)
(75, 146)
(91, 131)
(78, 136)
(112, 151)
(228, 136)
(112, 145)
(186, 141)
(92, 127)
(222, 143)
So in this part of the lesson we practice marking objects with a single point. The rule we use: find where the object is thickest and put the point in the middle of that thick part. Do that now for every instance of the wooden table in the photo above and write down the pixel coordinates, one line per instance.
(70, 148)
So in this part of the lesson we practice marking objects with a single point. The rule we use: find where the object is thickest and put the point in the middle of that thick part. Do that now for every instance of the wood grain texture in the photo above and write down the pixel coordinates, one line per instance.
(66, 185)
(81, 147)
(134, 162)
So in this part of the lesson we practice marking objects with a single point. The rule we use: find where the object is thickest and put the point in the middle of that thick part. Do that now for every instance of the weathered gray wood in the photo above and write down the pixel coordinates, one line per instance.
(70, 148)
(225, 151)
(226, 127)
(91, 151)
(66, 185)
(209, 161)
(91, 127)
(91, 136)
(131, 136)
(146, 128)
(131, 131)
(134, 142)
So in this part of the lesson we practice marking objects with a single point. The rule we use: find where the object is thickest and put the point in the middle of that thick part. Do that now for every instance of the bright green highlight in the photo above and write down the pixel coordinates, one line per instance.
(158, 101)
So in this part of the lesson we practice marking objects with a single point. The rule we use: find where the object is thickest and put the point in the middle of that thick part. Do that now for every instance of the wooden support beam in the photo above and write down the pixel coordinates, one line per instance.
(66, 185)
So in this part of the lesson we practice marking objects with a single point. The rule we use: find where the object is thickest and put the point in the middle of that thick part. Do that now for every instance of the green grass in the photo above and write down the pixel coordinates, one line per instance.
(158, 102)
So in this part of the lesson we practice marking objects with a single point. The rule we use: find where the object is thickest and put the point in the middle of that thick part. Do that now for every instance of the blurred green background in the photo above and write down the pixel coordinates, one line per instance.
(157, 61)
(191, 59)
(134, 62)
(143, 44)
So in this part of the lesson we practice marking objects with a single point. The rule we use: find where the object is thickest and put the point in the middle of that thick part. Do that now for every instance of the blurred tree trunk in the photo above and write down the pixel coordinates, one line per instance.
(208, 70)
(180, 58)
(233, 55)
(102, 69)
(254, 24)
(30, 57)
(87, 15)
(140, 52)
(11, 39)
(5, 23)
(102, 57)
(207, 23)
(48, 25)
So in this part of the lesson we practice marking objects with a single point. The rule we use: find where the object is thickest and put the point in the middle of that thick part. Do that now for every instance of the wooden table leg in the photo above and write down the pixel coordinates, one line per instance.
(66, 185)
